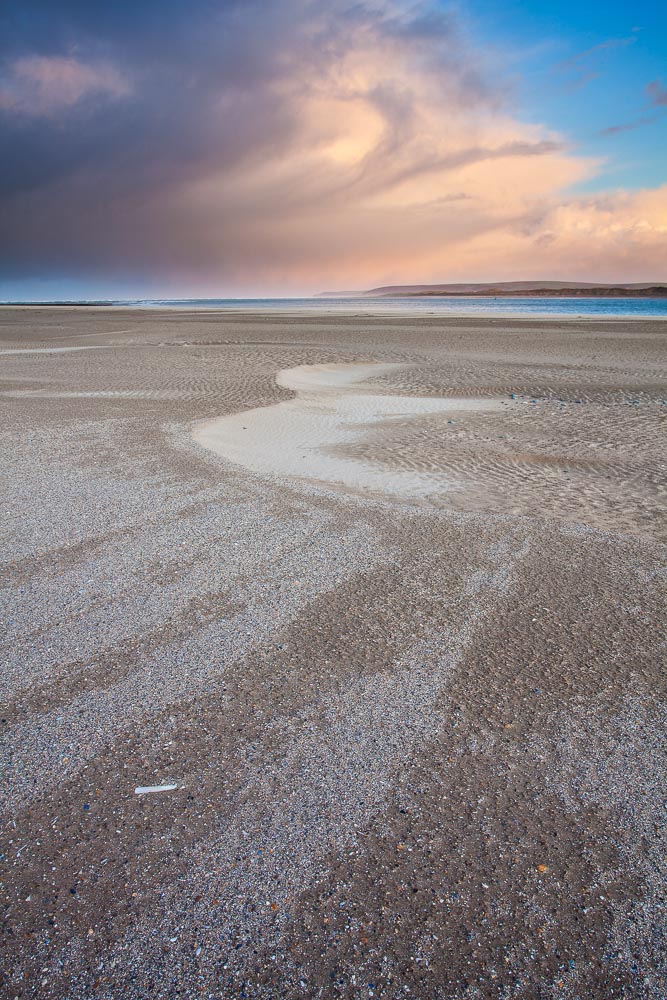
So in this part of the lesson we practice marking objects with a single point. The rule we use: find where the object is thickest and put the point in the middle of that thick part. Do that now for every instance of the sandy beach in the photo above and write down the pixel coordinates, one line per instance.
(333, 655)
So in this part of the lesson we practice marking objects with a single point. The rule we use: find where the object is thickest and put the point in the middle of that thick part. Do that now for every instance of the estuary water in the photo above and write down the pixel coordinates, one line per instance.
(459, 305)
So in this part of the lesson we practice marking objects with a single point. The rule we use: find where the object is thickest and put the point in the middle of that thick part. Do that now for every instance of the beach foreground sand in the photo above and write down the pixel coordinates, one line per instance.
(390, 723)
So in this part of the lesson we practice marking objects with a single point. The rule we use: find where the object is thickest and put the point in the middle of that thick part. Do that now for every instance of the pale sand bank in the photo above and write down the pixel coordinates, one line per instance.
(334, 405)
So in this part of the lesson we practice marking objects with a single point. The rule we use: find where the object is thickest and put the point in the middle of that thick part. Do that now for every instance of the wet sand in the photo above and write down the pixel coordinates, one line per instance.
(408, 683)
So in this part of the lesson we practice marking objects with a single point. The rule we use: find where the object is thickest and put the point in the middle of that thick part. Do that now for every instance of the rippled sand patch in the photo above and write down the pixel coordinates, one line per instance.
(51, 350)
(334, 407)
(101, 394)
(596, 464)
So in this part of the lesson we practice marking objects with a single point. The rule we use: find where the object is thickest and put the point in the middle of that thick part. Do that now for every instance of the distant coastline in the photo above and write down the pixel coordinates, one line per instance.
(617, 292)
(513, 289)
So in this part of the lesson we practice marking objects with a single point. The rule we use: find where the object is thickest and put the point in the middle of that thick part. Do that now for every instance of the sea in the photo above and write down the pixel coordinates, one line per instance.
(463, 305)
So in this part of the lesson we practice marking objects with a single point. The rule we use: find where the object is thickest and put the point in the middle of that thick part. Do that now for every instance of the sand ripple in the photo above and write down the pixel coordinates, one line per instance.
(333, 407)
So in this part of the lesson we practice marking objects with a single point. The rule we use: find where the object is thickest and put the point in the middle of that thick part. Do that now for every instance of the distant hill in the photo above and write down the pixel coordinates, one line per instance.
(569, 289)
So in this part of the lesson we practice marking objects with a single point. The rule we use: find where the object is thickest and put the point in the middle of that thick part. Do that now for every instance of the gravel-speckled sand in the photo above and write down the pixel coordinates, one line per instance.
(417, 735)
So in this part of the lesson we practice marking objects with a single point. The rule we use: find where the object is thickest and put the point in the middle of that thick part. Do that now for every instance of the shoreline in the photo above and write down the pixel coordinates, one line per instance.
(345, 311)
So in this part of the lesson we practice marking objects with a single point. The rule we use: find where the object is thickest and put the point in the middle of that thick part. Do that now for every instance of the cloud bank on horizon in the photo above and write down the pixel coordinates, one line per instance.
(288, 146)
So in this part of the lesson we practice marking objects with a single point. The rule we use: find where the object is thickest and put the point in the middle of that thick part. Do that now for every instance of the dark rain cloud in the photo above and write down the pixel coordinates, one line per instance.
(206, 86)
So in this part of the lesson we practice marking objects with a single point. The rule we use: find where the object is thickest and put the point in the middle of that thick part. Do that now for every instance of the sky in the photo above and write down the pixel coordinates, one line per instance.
(158, 148)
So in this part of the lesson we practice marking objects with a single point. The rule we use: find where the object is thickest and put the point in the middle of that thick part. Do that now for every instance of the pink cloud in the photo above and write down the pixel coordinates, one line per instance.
(45, 85)
(657, 93)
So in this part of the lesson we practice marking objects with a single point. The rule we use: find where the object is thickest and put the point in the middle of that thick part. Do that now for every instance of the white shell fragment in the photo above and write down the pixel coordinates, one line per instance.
(144, 789)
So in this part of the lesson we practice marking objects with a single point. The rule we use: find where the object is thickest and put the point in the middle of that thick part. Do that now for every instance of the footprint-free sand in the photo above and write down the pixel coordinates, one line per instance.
(333, 655)
(304, 437)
